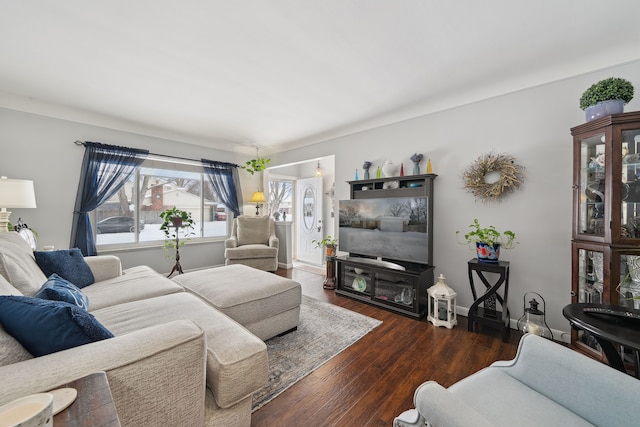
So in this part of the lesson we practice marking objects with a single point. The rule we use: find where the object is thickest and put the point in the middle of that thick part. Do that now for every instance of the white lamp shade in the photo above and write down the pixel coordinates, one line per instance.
(17, 193)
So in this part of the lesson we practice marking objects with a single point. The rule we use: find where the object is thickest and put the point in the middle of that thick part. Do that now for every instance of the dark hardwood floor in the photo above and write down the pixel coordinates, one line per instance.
(372, 381)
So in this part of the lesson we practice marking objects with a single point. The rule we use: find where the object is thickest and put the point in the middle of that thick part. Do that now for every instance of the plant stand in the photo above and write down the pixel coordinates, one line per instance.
(330, 280)
(483, 310)
(177, 267)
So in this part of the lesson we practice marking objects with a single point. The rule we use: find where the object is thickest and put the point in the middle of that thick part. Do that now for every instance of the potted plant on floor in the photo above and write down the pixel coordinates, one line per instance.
(488, 241)
(606, 97)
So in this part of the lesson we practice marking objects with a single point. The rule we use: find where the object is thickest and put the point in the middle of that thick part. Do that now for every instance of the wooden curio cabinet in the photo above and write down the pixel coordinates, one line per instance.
(606, 216)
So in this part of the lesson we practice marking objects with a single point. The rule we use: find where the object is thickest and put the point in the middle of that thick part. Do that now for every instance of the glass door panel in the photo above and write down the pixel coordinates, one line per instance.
(630, 196)
(629, 284)
(591, 276)
(592, 185)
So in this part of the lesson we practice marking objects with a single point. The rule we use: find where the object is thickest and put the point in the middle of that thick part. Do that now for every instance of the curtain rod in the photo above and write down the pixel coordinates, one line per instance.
(78, 142)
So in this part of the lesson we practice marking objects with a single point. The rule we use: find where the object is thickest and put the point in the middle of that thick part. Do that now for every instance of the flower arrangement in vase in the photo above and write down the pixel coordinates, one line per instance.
(416, 159)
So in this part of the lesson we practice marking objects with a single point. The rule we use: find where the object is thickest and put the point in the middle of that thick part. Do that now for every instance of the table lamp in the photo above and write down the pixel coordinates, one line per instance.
(14, 193)
(257, 198)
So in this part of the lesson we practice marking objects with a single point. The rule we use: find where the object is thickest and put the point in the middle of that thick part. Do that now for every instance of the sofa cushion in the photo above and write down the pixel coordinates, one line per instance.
(18, 265)
(511, 400)
(58, 289)
(236, 359)
(11, 351)
(253, 229)
(68, 264)
(44, 327)
(136, 283)
(7, 288)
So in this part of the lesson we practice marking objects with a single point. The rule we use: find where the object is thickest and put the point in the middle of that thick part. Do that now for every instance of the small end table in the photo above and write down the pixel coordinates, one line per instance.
(483, 310)
(94, 406)
(330, 280)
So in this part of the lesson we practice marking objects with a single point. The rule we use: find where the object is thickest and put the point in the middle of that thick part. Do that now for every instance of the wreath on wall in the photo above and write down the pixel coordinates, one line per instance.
(492, 176)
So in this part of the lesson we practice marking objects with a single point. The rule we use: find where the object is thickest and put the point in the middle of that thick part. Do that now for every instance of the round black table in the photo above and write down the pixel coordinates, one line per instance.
(608, 330)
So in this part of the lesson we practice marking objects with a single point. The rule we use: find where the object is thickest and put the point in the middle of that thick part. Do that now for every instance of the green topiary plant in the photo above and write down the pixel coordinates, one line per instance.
(605, 90)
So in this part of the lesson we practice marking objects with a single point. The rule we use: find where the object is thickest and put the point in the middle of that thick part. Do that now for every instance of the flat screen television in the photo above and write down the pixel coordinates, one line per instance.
(391, 229)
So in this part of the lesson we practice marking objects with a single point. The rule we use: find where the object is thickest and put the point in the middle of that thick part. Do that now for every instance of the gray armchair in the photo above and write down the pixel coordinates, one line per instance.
(253, 242)
(546, 384)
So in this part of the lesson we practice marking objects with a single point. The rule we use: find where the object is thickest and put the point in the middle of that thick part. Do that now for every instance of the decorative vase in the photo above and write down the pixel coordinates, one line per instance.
(378, 173)
(401, 169)
(356, 174)
(604, 108)
(366, 174)
(416, 168)
(388, 169)
(487, 253)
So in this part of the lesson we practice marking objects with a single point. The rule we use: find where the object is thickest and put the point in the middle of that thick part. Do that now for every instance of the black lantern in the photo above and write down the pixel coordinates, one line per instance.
(533, 320)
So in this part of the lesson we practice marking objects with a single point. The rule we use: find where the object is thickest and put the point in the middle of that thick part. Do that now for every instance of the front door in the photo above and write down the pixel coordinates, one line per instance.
(309, 219)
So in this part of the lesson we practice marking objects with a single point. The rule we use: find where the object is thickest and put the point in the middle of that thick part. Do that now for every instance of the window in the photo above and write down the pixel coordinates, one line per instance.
(280, 197)
(132, 216)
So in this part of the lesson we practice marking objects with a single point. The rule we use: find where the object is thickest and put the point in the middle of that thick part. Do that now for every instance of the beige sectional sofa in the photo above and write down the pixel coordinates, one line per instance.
(175, 360)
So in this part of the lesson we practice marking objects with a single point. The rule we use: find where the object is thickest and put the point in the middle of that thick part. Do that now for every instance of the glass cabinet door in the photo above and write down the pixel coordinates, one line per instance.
(590, 276)
(628, 285)
(592, 185)
(630, 185)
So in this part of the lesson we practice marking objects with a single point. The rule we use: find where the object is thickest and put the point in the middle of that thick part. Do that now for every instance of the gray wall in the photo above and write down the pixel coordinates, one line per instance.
(42, 149)
(532, 125)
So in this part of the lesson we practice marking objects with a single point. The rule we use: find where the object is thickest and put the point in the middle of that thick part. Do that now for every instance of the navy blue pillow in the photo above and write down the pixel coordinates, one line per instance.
(58, 289)
(68, 264)
(44, 327)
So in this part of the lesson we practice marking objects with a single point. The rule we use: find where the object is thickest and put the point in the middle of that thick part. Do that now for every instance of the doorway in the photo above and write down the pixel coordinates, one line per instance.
(284, 184)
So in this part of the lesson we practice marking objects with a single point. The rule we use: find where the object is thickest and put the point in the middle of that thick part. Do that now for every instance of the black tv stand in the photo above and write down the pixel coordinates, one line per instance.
(382, 284)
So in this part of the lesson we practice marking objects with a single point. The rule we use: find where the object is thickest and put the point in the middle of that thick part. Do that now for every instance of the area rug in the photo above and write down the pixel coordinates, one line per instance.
(324, 331)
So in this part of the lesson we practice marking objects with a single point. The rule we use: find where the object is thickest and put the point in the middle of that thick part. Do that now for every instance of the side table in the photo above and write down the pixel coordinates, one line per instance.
(94, 406)
(484, 310)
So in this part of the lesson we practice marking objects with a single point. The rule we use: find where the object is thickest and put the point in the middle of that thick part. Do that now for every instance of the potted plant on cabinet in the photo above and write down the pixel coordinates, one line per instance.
(488, 241)
(606, 97)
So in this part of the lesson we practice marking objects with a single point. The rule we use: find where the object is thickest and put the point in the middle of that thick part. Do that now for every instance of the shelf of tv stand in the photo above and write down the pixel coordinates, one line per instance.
(384, 284)
(375, 187)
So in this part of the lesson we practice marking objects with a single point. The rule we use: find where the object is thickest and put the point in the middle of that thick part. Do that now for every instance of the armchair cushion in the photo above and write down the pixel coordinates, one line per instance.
(68, 264)
(253, 230)
(44, 327)
(58, 289)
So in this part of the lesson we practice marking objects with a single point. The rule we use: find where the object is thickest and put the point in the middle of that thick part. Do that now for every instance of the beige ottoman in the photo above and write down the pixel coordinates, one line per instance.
(264, 303)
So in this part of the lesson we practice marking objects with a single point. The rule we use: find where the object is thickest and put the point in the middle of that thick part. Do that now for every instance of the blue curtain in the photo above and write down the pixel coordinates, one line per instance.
(226, 183)
(105, 169)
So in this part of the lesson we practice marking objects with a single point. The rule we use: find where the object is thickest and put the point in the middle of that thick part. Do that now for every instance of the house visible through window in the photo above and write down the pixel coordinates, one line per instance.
(133, 215)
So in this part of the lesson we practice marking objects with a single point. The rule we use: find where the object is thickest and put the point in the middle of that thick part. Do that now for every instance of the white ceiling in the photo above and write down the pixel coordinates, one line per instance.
(281, 73)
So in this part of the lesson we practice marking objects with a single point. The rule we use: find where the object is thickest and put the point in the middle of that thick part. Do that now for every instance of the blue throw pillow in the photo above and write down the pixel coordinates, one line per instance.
(68, 264)
(44, 327)
(58, 289)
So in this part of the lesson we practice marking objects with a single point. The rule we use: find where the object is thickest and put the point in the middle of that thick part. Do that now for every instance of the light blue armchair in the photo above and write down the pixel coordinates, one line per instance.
(546, 384)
